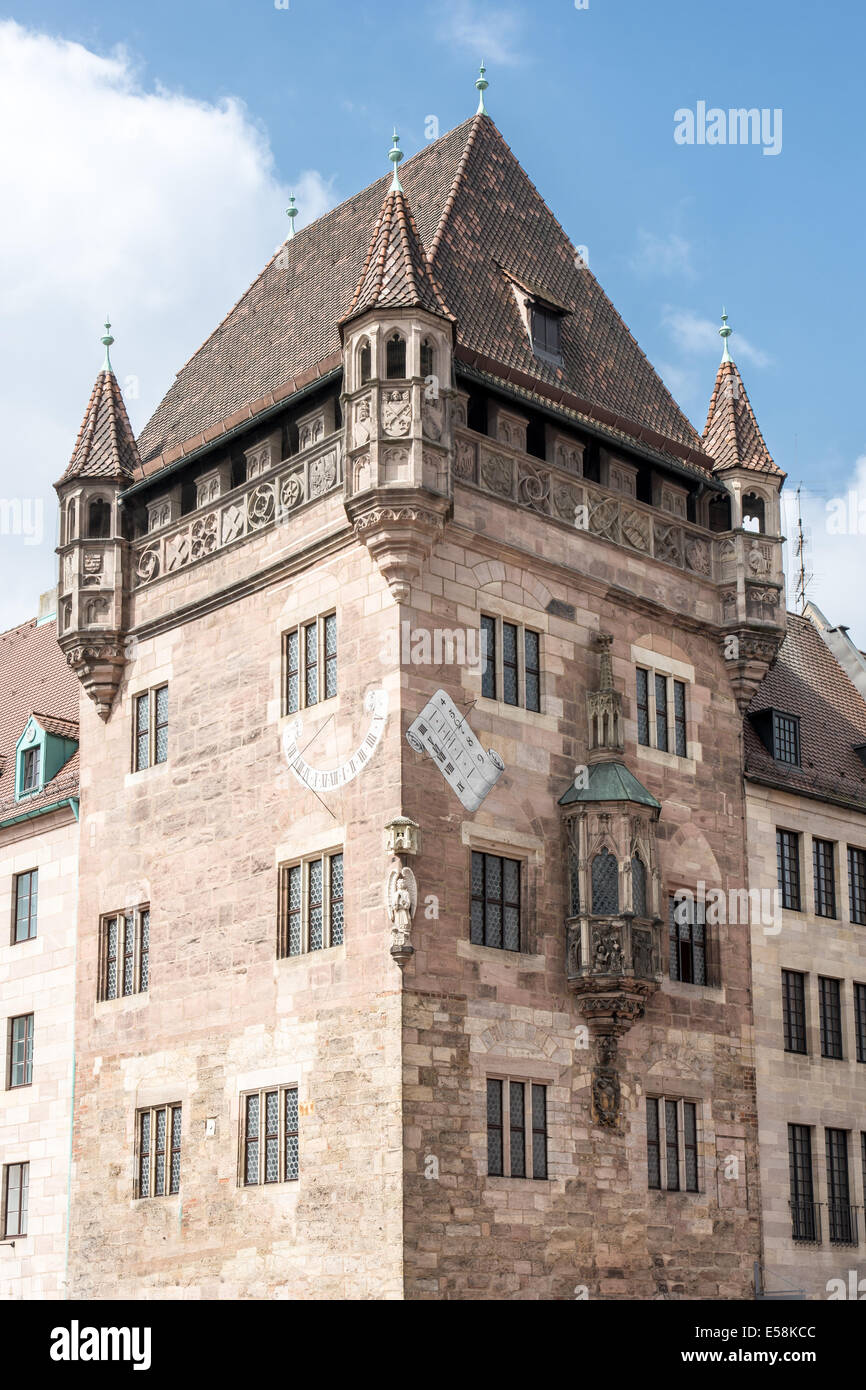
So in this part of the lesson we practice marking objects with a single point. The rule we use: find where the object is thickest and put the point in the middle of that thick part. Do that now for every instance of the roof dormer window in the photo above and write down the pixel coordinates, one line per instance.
(546, 332)
(31, 770)
(780, 734)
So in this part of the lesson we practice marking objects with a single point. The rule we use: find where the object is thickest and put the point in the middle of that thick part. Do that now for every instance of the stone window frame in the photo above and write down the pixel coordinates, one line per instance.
(505, 1080)
(661, 1101)
(825, 877)
(529, 851)
(521, 668)
(794, 839)
(283, 1136)
(139, 955)
(29, 1020)
(842, 1221)
(831, 1018)
(674, 672)
(802, 1163)
(151, 694)
(171, 1108)
(795, 1027)
(859, 993)
(503, 902)
(711, 978)
(324, 856)
(32, 906)
(323, 663)
(672, 722)
(856, 856)
(20, 1231)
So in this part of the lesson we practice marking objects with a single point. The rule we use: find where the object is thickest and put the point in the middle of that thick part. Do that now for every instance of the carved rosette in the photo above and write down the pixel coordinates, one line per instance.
(399, 529)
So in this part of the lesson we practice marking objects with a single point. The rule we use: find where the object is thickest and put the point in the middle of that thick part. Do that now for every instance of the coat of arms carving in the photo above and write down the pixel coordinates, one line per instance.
(396, 413)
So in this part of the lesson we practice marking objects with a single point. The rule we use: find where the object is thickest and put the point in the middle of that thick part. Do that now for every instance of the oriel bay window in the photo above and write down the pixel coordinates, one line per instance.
(672, 1144)
(124, 953)
(310, 660)
(511, 670)
(310, 904)
(516, 1129)
(158, 1165)
(269, 1136)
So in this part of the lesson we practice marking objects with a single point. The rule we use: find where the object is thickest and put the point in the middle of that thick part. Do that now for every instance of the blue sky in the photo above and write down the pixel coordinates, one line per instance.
(257, 99)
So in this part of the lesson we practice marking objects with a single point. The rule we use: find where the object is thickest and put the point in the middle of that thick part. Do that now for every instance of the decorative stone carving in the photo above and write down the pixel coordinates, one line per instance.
(569, 456)
(622, 477)
(604, 518)
(667, 544)
(211, 485)
(261, 506)
(396, 413)
(316, 426)
(464, 465)
(533, 487)
(668, 497)
(363, 424)
(402, 900)
(99, 669)
(361, 473)
(434, 471)
(758, 559)
(506, 426)
(566, 500)
(97, 611)
(605, 1097)
(497, 474)
(204, 536)
(635, 529)
(698, 555)
(162, 512)
(399, 538)
(323, 473)
(401, 835)
(292, 491)
(606, 952)
(263, 456)
(432, 419)
(395, 466)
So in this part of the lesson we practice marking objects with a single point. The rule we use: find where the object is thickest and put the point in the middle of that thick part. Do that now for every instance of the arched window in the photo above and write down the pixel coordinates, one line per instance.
(428, 358)
(99, 519)
(395, 356)
(69, 530)
(753, 512)
(365, 362)
(638, 886)
(605, 884)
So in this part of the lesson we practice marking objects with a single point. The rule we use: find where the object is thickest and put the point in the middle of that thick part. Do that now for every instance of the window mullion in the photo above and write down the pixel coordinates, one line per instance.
(521, 666)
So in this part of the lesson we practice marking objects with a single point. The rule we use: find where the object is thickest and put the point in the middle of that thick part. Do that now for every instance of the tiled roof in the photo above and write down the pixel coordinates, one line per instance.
(105, 447)
(481, 220)
(34, 677)
(396, 273)
(807, 681)
(731, 434)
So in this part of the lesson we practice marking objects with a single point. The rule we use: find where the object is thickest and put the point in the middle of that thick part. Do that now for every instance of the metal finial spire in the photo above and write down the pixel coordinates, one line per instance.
(291, 213)
(107, 340)
(725, 333)
(395, 155)
(482, 84)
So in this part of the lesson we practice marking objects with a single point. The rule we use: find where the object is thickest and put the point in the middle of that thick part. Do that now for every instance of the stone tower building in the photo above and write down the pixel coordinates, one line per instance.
(414, 645)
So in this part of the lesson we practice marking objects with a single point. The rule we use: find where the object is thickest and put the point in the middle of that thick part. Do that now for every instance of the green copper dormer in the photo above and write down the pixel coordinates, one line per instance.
(43, 749)
(610, 782)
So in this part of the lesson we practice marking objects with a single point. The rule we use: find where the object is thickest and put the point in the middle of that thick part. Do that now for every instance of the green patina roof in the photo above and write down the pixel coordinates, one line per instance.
(610, 782)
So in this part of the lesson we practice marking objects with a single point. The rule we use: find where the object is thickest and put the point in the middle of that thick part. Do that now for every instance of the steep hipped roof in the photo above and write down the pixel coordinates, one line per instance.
(481, 220)
(34, 678)
(731, 434)
(806, 680)
(105, 447)
(396, 273)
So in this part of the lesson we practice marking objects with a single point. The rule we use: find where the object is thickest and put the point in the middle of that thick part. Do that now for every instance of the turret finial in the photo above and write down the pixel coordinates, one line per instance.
(107, 340)
(291, 213)
(725, 333)
(481, 85)
(395, 155)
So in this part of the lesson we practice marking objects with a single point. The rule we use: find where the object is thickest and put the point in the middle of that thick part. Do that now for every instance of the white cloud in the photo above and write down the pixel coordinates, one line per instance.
(141, 202)
(835, 533)
(657, 255)
(693, 334)
(489, 32)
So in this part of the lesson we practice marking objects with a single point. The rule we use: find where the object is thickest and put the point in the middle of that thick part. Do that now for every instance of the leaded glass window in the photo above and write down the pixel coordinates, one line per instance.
(516, 1129)
(495, 907)
(638, 886)
(660, 703)
(680, 745)
(643, 726)
(688, 941)
(653, 1151)
(159, 1150)
(26, 895)
(512, 663)
(690, 1144)
(661, 693)
(150, 734)
(310, 905)
(605, 884)
(395, 356)
(125, 953)
(428, 359)
(672, 1144)
(830, 1013)
(365, 360)
(269, 1136)
(310, 663)
(672, 1147)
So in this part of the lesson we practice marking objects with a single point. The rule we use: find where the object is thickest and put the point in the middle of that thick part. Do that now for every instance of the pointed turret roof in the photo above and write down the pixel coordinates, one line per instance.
(396, 273)
(731, 435)
(105, 447)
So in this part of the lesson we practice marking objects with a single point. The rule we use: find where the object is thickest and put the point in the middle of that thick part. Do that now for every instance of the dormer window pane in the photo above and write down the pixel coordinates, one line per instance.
(546, 331)
(786, 739)
(31, 770)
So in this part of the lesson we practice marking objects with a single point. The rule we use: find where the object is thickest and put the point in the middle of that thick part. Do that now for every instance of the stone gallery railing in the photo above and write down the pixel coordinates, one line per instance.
(541, 487)
(263, 502)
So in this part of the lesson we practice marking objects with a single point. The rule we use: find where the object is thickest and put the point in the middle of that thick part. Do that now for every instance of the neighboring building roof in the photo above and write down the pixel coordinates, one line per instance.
(105, 447)
(806, 680)
(731, 434)
(848, 655)
(34, 679)
(396, 273)
(610, 782)
(481, 220)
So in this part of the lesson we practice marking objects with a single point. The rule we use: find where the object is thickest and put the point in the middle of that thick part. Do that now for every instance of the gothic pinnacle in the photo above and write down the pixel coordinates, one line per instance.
(291, 213)
(107, 340)
(481, 86)
(725, 333)
(395, 155)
